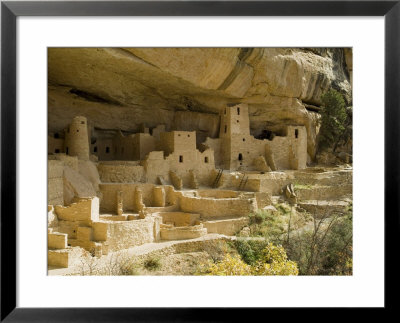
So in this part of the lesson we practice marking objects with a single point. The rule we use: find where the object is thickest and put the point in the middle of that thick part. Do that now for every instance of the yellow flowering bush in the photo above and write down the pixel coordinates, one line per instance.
(274, 262)
(230, 266)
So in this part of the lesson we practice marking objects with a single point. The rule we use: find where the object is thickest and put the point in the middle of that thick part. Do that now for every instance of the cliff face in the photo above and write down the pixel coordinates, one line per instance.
(186, 88)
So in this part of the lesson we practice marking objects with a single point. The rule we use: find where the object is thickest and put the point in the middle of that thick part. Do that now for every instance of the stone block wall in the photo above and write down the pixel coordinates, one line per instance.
(125, 234)
(109, 192)
(121, 172)
(211, 208)
(84, 210)
(227, 227)
(179, 219)
(182, 233)
(55, 193)
(55, 145)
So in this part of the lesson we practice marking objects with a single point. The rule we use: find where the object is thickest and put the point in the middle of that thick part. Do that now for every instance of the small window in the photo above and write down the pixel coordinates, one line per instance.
(240, 157)
(179, 134)
(56, 135)
(238, 111)
(237, 121)
(206, 160)
(57, 151)
(181, 159)
(66, 150)
(244, 139)
(107, 150)
(95, 149)
(82, 122)
(226, 128)
(188, 135)
(77, 130)
(296, 133)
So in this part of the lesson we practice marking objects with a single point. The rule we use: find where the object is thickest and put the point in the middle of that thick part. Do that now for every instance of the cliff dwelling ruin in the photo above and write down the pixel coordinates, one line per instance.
(184, 181)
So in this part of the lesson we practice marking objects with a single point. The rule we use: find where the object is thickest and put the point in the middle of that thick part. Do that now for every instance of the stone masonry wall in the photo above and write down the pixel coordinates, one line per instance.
(211, 208)
(123, 172)
(55, 193)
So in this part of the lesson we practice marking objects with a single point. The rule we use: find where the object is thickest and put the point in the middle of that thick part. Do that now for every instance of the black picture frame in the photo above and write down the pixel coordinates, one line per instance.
(10, 10)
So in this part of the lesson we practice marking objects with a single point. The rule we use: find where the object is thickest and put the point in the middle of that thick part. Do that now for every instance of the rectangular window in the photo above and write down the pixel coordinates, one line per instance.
(181, 159)
(107, 150)
(206, 160)
(95, 149)
(238, 111)
(226, 127)
(296, 133)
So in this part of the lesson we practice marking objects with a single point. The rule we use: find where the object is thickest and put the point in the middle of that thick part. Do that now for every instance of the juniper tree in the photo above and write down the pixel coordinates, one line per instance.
(335, 121)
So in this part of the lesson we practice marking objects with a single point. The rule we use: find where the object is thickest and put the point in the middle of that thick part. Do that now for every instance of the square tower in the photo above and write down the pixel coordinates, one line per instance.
(176, 141)
(235, 120)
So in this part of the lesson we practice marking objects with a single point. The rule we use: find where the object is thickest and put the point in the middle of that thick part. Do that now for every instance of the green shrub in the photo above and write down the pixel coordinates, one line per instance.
(335, 121)
(267, 224)
(152, 263)
(250, 250)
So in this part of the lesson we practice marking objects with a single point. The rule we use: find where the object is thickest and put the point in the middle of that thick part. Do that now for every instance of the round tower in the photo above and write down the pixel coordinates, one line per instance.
(76, 139)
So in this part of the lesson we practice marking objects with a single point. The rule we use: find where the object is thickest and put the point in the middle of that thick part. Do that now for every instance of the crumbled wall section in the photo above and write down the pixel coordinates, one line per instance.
(108, 203)
(55, 193)
(52, 220)
(85, 210)
(55, 145)
(159, 196)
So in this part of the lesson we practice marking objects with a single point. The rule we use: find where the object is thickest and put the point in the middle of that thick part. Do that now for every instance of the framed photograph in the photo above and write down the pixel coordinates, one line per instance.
(195, 158)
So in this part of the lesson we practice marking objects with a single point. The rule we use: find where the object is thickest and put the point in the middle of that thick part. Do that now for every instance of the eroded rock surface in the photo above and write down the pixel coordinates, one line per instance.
(187, 87)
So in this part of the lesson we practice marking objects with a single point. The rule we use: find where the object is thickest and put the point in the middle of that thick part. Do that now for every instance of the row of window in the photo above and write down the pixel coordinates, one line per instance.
(238, 111)
(181, 159)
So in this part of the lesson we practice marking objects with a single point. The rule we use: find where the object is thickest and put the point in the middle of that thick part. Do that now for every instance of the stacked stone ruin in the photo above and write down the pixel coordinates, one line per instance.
(111, 194)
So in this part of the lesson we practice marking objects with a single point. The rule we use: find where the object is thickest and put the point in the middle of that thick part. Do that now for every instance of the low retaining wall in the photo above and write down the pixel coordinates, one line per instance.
(179, 219)
(324, 192)
(125, 234)
(182, 233)
(227, 227)
(209, 207)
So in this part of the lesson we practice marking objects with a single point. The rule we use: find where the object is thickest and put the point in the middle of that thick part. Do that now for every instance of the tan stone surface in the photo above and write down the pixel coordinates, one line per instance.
(128, 86)
(77, 185)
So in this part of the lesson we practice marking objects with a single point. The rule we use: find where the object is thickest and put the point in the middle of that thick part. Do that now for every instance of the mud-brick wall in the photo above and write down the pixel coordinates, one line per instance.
(211, 208)
(125, 234)
(108, 202)
(55, 194)
(86, 210)
(121, 173)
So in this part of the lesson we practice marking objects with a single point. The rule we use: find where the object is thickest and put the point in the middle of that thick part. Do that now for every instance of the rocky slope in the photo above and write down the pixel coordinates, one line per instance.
(185, 88)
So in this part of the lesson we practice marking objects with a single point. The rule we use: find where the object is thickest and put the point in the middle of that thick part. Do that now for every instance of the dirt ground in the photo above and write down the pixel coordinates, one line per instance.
(177, 264)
